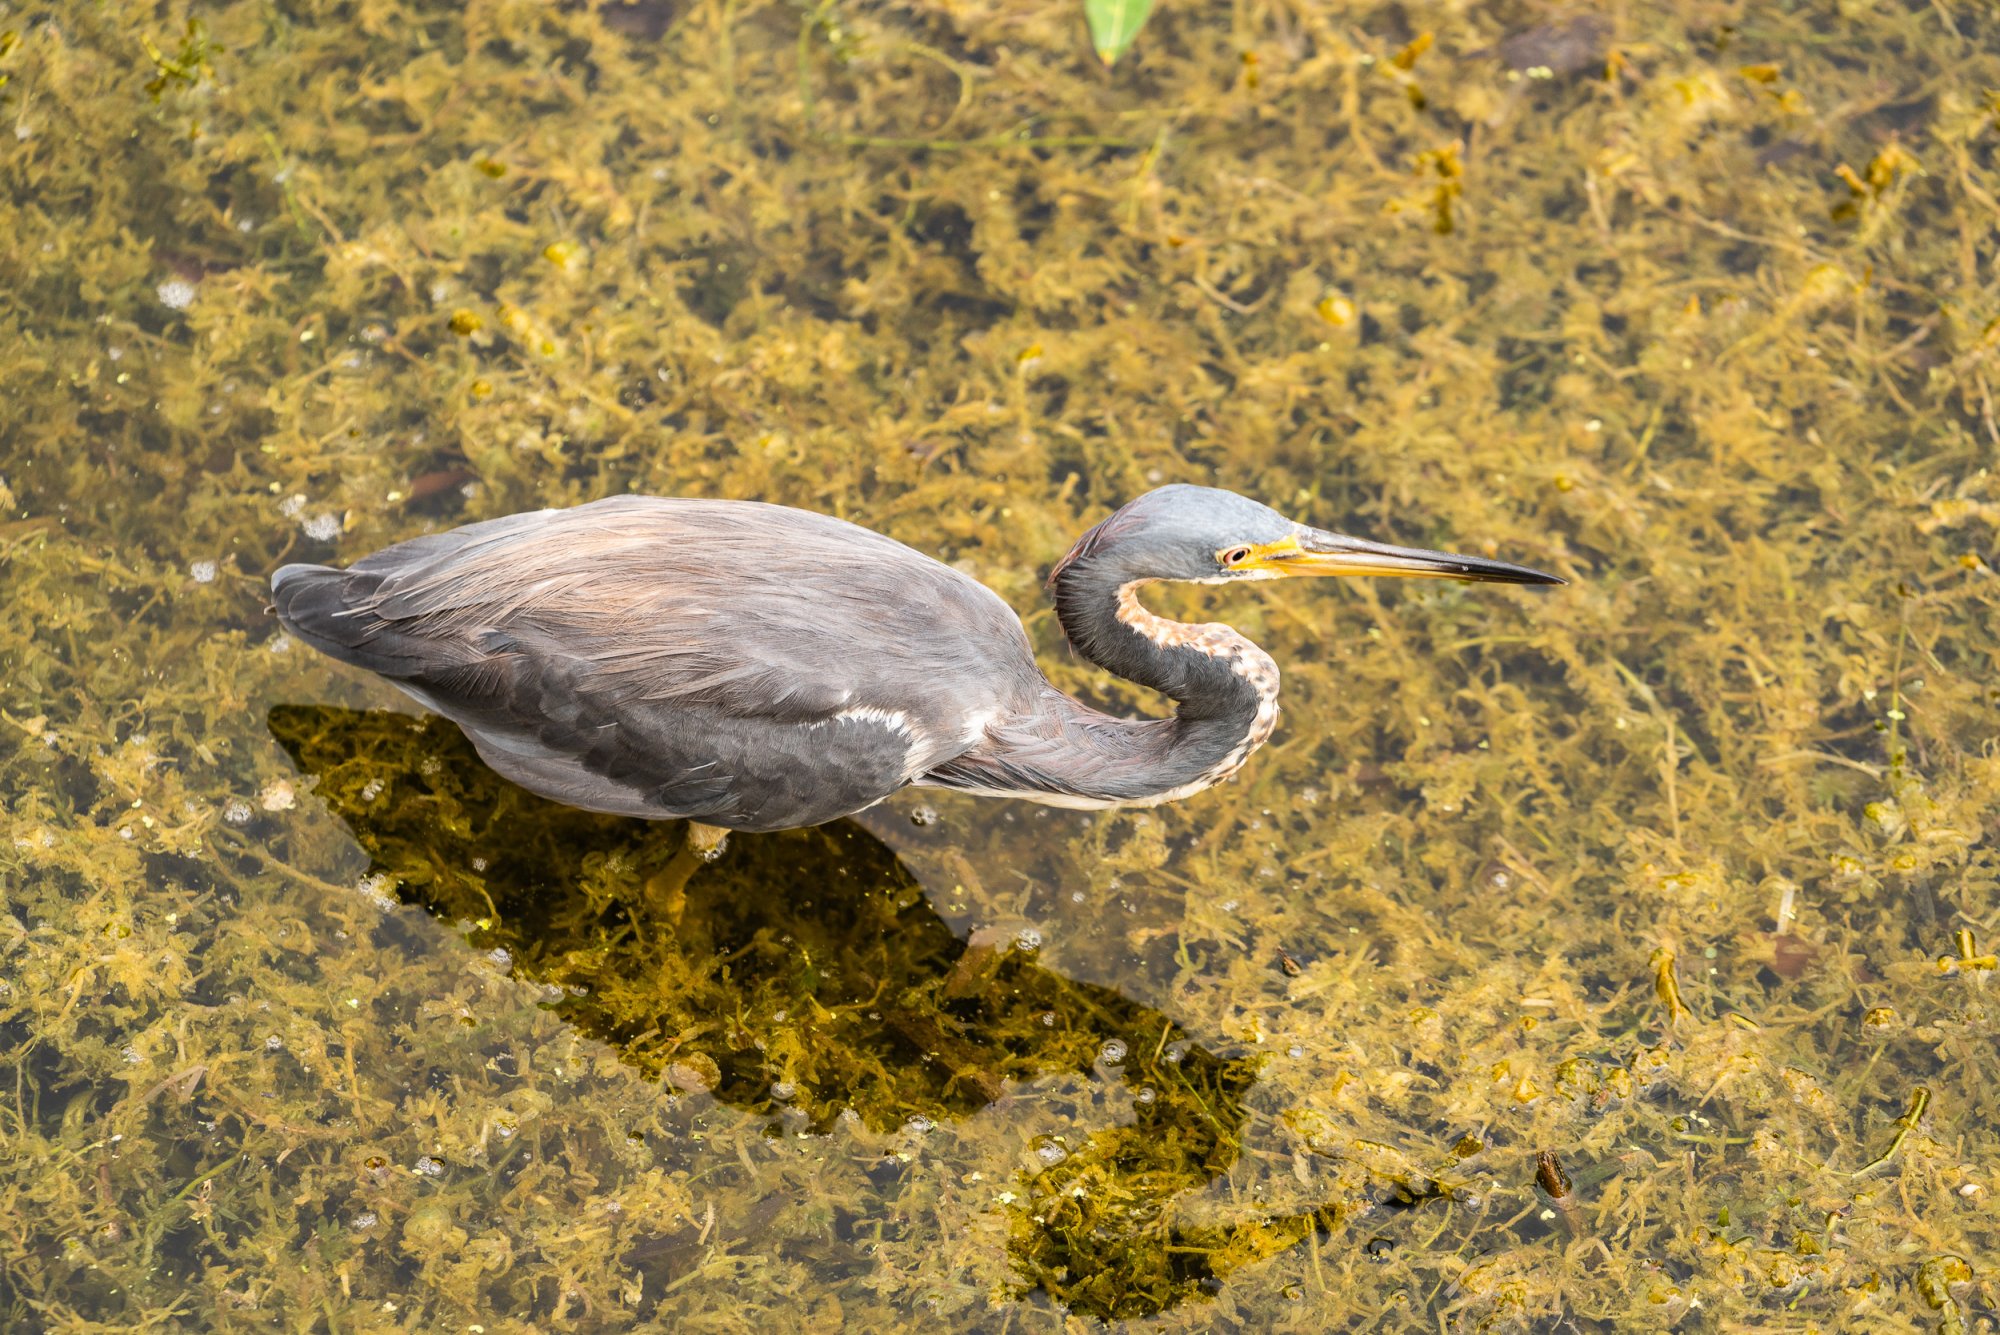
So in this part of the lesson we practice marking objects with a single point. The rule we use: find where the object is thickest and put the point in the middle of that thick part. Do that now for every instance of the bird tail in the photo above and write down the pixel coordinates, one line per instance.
(306, 599)
(332, 611)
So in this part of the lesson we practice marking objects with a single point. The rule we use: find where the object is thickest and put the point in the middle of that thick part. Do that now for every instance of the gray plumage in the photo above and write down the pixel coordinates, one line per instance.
(756, 667)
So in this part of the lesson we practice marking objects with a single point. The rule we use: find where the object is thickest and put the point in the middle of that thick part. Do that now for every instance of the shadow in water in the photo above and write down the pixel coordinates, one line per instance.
(807, 969)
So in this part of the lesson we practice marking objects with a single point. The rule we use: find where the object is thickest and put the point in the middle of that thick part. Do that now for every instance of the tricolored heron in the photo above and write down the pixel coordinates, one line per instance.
(756, 667)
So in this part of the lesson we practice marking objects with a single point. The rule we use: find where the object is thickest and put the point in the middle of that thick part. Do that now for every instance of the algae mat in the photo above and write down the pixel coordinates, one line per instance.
(1619, 958)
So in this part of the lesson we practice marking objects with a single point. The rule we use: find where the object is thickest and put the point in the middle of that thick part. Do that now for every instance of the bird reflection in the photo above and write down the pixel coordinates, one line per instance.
(806, 969)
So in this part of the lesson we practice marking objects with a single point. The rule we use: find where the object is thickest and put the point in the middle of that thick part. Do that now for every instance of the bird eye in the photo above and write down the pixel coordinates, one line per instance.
(1236, 556)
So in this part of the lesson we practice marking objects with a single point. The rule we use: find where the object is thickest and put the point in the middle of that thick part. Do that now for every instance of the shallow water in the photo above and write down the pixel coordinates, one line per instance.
(1617, 956)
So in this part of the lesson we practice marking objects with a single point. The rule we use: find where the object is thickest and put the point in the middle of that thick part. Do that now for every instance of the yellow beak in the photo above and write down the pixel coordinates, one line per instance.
(1314, 551)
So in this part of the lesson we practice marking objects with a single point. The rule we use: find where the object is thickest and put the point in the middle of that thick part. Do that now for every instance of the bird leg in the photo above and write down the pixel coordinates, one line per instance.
(667, 887)
(706, 841)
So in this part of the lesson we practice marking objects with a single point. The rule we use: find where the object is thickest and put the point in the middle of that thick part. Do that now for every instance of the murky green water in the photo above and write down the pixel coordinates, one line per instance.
(1616, 958)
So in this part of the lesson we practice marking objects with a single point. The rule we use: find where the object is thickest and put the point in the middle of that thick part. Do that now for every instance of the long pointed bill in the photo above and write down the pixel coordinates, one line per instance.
(1323, 553)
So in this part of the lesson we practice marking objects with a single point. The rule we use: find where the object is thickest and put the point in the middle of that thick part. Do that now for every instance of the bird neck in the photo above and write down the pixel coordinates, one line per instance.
(1225, 688)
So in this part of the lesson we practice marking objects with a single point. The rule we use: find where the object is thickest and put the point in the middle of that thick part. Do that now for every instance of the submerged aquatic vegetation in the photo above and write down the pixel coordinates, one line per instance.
(804, 977)
(1621, 957)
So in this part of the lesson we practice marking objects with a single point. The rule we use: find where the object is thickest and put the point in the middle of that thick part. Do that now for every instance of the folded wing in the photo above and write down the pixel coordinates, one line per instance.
(747, 665)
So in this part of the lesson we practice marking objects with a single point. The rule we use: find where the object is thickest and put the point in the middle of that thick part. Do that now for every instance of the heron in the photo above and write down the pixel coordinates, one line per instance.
(747, 666)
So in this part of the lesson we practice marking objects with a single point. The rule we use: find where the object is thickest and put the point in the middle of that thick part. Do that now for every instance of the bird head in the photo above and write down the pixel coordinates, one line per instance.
(1204, 535)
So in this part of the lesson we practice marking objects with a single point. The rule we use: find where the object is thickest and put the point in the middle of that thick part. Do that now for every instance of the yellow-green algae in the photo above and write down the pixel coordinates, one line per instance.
(1683, 875)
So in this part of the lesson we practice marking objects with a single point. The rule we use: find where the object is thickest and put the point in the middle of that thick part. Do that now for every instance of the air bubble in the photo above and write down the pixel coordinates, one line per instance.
(375, 889)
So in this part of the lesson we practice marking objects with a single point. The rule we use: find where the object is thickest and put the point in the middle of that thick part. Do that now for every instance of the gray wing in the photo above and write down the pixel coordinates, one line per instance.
(748, 665)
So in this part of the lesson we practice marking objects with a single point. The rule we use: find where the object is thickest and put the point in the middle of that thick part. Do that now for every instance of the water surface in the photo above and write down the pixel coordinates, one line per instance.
(1616, 957)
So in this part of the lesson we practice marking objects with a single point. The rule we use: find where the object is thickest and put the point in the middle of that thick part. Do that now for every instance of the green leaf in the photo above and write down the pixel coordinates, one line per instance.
(1114, 23)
